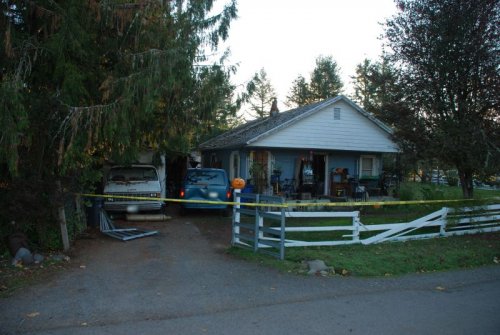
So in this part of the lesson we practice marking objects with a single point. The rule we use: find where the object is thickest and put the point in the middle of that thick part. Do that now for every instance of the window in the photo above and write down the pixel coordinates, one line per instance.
(205, 177)
(336, 113)
(136, 173)
(368, 166)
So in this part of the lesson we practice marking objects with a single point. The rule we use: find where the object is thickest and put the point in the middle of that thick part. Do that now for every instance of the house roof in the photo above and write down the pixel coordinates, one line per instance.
(254, 130)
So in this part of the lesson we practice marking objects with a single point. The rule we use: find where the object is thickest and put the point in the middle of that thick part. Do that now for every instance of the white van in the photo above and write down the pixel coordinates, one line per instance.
(136, 181)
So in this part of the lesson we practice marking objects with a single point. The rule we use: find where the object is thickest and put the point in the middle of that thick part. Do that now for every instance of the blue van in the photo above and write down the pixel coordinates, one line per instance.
(205, 184)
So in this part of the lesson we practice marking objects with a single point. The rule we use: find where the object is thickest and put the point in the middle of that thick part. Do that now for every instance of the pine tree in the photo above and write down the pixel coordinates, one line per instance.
(325, 79)
(88, 81)
(262, 96)
(376, 88)
(299, 93)
(324, 83)
(364, 88)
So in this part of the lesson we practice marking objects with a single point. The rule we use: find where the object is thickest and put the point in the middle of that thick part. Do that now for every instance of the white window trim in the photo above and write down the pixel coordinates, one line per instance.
(271, 162)
(232, 173)
(249, 163)
(327, 175)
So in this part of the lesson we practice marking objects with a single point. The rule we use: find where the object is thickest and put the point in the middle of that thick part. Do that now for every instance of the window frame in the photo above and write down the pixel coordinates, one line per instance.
(234, 171)
(374, 167)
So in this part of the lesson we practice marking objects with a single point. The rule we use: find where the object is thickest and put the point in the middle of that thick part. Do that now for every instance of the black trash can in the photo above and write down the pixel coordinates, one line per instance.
(93, 210)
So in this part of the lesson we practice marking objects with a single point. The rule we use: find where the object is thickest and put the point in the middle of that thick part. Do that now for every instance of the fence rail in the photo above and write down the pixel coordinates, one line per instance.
(268, 233)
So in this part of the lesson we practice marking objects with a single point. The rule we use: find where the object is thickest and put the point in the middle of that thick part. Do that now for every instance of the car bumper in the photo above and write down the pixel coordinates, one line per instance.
(202, 205)
(133, 206)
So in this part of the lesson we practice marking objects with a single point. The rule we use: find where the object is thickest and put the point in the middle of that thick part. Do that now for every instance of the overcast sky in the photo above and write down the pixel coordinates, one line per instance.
(286, 37)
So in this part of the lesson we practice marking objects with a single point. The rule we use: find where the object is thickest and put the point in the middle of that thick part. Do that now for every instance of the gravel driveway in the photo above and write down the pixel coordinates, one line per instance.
(182, 282)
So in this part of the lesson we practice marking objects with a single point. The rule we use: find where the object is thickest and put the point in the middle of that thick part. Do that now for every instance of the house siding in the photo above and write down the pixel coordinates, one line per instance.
(286, 160)
(344, 160)
(353, 132)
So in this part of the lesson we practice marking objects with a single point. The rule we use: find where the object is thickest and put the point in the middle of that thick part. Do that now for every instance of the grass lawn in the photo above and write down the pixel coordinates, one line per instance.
(388, 259)
(420, 191)
(397, 258)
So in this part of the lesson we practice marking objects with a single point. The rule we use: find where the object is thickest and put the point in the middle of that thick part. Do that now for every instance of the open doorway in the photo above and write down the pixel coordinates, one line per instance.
(319, 171)
(176, 170)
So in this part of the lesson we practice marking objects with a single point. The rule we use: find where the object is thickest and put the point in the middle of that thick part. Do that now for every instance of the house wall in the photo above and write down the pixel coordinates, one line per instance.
(348, 160)
(320, 130)
(286, 160)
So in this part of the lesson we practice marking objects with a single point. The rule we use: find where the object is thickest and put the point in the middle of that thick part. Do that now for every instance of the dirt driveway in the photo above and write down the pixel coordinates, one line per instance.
(181, 281)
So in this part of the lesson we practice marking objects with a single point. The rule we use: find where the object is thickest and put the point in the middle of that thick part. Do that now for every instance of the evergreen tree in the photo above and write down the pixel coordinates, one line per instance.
(324, 83)
(364, 88)
(376, 88)
(262, 95)
(86, 81)
(299, 93)
(325, 79)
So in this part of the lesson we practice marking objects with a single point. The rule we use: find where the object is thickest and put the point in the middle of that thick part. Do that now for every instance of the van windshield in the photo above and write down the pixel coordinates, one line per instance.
(205, 177)
(132, 174)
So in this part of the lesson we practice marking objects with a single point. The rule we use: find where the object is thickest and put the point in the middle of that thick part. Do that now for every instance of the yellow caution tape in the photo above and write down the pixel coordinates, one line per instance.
(284, 205)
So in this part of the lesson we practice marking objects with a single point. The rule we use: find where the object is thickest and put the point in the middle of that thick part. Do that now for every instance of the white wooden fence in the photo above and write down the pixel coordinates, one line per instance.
(262, 233)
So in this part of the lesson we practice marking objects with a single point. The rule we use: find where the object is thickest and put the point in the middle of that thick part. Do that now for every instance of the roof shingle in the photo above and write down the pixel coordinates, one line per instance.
(242, 135)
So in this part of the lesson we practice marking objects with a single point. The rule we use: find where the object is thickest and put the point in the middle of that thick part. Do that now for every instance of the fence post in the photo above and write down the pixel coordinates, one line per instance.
(444, 219)
(236, 217)
(282, 231)
(261, 225)
(355, 227)
(257, 223)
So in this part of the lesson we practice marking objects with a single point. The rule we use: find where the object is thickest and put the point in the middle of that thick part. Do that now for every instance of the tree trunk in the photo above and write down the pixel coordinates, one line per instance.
(466, 183)
(62, 216)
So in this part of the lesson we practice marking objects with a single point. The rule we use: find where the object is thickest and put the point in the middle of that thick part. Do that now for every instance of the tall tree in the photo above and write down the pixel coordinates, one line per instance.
(447, 52)
(85, 81)
(377, 88)
(324, 83)
(364, 86)
(325, 79)
(299, 94)
(262, 95)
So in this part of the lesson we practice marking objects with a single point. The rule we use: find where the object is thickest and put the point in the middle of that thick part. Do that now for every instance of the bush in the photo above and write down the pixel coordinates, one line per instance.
(30, 204)
(452, 177)
(406, 192)
(432, 193)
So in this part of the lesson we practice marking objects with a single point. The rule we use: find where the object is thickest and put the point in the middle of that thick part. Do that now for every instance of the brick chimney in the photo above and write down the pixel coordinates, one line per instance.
(274, 108)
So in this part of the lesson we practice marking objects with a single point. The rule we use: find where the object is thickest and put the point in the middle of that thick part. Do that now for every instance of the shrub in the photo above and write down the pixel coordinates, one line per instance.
(432, 193)
(406, 192)
(452, 177)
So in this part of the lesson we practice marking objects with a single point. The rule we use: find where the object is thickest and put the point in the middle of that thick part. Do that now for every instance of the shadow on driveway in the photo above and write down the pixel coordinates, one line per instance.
(182, 281)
